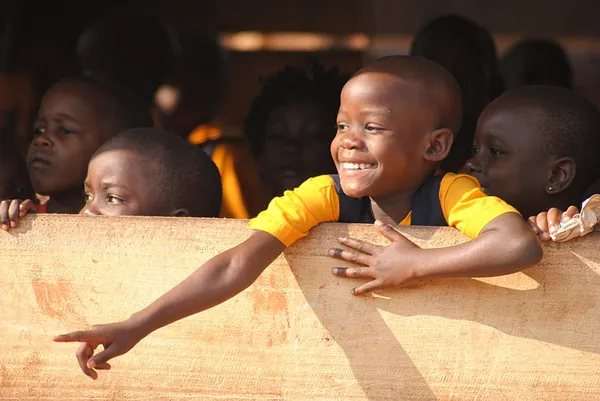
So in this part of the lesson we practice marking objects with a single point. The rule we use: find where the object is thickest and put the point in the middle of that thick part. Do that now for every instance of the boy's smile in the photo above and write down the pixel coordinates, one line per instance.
(380, 141)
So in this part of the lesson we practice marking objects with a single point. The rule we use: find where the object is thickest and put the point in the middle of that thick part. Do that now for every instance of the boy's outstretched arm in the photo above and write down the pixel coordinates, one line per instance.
(505, 245)
(216, 281)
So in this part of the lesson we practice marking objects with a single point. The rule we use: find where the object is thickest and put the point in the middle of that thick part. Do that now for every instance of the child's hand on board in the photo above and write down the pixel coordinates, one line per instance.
(380, 263)
(547, 223)
(14, 209)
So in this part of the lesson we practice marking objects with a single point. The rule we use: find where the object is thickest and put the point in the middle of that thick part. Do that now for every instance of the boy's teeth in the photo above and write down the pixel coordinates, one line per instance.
(356, 166)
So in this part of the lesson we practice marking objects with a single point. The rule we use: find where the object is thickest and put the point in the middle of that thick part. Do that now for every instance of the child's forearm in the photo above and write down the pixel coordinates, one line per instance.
(506, 245)
(216, 281)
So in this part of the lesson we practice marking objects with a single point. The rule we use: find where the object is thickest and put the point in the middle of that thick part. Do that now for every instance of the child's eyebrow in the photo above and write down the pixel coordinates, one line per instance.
(377, 113)
(63, 116)
(112, 184)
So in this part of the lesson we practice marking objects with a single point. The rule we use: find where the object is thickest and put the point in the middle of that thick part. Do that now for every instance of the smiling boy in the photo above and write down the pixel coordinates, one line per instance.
(396, 123)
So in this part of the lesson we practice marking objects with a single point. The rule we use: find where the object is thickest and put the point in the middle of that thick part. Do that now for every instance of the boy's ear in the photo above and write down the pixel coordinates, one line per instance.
(440, 143)
(180, 213)
(561, 175)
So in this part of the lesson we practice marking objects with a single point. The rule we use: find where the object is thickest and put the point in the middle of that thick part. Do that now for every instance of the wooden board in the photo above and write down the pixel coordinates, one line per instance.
(297, 333)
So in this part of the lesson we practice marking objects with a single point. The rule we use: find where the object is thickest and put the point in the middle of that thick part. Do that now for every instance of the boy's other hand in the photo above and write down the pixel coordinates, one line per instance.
(116, 338)
(547, 223)
(13, 210)
(389, 266)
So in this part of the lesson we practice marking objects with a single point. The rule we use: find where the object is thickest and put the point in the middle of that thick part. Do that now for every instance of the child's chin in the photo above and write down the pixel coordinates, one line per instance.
(354, 191)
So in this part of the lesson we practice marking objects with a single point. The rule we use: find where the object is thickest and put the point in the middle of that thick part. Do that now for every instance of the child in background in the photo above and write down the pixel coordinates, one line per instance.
(133, 50)
(395, 125)
(536, 148)
(143, 172)
(76, 116)
(468, 52)
(189, 105)
(291, 124)
(536, 62)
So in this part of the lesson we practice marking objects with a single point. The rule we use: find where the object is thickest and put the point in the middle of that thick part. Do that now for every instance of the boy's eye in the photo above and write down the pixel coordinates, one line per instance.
(474, 150)
(342, 127)
(495, 152)
(65, 131)
(373, 128)
(114, 200)
(38, 131)
(88, 197)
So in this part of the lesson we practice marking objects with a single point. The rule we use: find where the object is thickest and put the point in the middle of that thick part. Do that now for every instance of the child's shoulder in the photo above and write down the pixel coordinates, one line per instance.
(458, 182)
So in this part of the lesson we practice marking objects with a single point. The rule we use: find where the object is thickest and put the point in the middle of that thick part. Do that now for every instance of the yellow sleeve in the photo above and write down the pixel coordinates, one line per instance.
(466, 207)
(291, 216)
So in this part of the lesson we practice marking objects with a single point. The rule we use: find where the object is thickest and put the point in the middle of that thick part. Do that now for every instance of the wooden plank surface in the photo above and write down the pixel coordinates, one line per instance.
(297, 333)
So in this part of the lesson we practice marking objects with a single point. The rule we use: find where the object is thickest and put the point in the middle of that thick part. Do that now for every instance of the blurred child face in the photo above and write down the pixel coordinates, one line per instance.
(381, 136)
(296, 145)
(509, 161)
(71, 125)
(118, 184)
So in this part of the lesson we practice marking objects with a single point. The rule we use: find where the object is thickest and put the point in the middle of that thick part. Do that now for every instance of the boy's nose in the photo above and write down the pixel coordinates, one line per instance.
(89, 210)
(351, 141)
(473, 165)
(42, 140)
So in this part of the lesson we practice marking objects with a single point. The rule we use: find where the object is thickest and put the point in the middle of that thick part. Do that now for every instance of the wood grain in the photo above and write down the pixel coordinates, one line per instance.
(297, 333)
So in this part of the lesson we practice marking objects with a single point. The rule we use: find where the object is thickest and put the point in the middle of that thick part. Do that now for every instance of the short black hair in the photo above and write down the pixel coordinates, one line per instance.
(135, 50)
(569, 127)
(183, 174)
(312, 82)
(536, 62)
(127, 109)
(439, 90)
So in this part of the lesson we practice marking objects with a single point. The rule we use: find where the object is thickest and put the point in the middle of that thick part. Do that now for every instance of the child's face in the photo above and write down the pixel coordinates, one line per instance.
(297, 135)
(71, 125)
(509, 161)
(117, 184)
(381, 137)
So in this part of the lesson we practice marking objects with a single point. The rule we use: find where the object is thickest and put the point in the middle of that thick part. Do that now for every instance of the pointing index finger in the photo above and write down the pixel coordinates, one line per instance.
(75, 336)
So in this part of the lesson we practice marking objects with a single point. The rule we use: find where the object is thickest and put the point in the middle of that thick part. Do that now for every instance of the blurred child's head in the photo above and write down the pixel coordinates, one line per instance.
(536, 62)
(537, 147)
(146, 172)
(134, 50)
(76, 116)
(292, 122)
(192, 96)
(396, 123)
(468, 52)
(14, 180)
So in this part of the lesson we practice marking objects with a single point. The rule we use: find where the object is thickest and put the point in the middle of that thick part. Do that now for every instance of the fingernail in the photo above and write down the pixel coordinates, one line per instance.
(353, 291)
(331, 252)
(342, 239)
(545, 236)
(378, 223)
(13, 224)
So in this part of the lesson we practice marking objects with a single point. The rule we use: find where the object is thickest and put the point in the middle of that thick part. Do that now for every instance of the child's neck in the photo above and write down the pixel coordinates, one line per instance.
(70, 201)
(392, 209)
